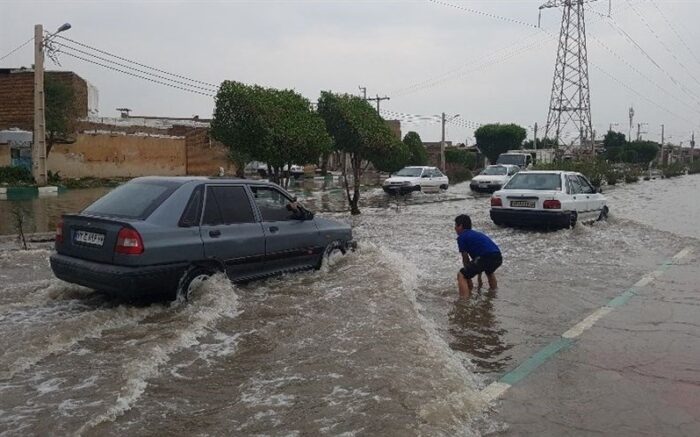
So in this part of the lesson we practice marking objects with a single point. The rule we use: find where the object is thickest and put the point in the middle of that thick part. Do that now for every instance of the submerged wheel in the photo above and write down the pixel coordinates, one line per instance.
(190, 281)
(573, 217)
(444, 187)
(331, 248)
(604, 214)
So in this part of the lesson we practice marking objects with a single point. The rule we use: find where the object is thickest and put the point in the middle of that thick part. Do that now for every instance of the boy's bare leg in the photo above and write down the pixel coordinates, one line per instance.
(465, 286)
(493, 284)
(480, 282)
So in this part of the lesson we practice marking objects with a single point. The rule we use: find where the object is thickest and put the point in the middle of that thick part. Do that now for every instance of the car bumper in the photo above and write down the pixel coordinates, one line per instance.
(117, 280)
(485, 188)
(399, 189)
(519, 217)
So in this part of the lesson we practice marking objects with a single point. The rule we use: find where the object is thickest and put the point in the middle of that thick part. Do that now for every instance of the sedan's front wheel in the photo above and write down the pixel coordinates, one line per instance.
(573, 218)
(330, 252)
(604, 214)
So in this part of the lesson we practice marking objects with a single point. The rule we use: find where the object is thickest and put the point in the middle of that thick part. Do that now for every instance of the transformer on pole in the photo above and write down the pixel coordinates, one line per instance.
(570, 104)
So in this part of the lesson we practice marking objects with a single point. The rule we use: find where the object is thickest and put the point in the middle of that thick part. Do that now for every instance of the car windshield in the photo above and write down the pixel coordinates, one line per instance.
(534, 181)
(409, 172)
(135, 200)
(493, 171)
(511, 159)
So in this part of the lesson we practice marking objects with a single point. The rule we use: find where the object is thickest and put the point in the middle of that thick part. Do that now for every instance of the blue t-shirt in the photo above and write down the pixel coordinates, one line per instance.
(476, 244)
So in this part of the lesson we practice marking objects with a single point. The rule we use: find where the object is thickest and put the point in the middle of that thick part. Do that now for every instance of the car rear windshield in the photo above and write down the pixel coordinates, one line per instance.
(534, 181)
(409, 172)
(493, 171)
(135, 200)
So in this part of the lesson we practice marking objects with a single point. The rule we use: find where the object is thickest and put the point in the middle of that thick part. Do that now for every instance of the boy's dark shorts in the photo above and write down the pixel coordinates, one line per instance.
(487, 263)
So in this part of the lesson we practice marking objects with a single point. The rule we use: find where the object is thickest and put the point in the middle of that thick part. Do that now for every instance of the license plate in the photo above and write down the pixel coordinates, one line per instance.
(89, 238)
(522, 203)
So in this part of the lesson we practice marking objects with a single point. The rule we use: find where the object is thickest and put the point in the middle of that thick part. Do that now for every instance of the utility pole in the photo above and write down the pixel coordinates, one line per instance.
(629, 136)
(364, 91)
(639, 130)
(39, 135)
(442, 145)
(534, 141)
(378, 99)
(611, 126)
(692, 148)
(663, 137)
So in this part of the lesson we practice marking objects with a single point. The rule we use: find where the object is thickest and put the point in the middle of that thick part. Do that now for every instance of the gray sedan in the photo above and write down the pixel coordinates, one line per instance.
(165, 233)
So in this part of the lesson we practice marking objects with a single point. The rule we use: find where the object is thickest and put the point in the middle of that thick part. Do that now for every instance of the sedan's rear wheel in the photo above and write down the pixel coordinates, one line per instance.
(573, 217)
(190, 281)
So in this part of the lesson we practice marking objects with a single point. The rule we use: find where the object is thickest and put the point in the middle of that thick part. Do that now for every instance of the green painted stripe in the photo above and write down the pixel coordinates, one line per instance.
(535, 361)
(622, 298)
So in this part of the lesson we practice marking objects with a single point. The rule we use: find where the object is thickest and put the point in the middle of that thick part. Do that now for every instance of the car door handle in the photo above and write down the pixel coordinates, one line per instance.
(274, 229)
(215, 233)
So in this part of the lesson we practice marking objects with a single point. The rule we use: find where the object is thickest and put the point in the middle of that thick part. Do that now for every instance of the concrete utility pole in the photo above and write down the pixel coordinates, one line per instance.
(364, 91)
(663, 137)
(442, 145)
(39, 135)
(629, 136)
(534, 140)
(611, 126)
(639, 130)
(378, 99)
(692, 148)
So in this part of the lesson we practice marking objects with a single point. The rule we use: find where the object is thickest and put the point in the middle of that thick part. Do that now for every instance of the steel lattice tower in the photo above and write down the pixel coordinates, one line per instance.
(570, 103)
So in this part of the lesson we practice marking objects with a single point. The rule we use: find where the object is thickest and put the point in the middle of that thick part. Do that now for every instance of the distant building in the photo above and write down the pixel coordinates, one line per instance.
(395, 127)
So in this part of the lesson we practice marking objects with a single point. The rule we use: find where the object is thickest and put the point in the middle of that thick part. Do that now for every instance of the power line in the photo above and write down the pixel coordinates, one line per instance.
(675, 31)
(482, 13)
(136, 63)
(139, 76)
(132, 68)
(17, 48)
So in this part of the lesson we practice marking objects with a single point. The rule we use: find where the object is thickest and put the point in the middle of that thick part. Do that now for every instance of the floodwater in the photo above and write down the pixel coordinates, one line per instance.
(375, 343)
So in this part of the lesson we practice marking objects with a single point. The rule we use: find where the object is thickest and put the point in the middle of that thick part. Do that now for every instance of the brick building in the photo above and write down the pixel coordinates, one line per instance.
(17, 96)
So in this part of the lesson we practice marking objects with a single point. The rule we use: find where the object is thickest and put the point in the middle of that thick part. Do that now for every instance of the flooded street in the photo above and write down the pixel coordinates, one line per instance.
(375, 343)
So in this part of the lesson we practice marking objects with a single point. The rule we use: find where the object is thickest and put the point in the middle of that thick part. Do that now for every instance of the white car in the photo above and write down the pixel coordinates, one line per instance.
(493, 178)
(410, 179)
(548, 199)
(260, 168)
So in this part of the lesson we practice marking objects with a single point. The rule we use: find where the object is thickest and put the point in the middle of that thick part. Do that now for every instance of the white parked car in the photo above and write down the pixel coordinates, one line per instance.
(260, 168)
(493, 178)
(410, 179)
(548, 199)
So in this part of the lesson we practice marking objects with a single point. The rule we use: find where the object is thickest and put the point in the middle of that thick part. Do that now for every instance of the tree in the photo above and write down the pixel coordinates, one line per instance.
(270, 125)
(359, 131)
(642, 152)
(60, 112)
(418, 154)
(396, 157)
(614, 143)
(543, 143)
(494, 139)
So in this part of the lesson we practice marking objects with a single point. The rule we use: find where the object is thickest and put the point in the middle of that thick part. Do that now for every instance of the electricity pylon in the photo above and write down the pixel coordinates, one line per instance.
(570, 103)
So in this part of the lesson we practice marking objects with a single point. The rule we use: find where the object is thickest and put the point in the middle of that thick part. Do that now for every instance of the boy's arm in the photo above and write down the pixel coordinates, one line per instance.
(465, 259)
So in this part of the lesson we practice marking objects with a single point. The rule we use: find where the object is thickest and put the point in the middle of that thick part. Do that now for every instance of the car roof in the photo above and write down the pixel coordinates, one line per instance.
(559, 172)
(186, 179)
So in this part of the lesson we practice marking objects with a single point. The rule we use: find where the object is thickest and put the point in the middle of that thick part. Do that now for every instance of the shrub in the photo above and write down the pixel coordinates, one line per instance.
(461, 157)
(14, 175)
(458, 174)
(694, 167)
(672, 170)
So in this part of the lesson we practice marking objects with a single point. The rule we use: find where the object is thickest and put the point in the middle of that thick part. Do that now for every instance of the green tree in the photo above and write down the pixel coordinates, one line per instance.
(60, 112)
(418, 154)
(643, 152)
(270, 125)
(542, 143)
(359, 131)
(460, 157)
(614, 143)
(494, 139)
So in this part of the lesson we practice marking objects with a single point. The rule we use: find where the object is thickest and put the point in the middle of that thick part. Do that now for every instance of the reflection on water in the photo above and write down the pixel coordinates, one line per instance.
(476, 331)
(42, 213)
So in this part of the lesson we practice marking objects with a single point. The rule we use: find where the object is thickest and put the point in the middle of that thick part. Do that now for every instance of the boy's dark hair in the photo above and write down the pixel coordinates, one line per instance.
(464, 220)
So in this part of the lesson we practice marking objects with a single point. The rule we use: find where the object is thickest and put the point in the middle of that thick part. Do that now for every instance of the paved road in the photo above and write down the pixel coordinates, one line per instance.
(634, 372)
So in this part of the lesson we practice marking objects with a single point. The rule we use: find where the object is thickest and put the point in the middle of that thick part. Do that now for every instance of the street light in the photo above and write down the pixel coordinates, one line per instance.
(39, 140)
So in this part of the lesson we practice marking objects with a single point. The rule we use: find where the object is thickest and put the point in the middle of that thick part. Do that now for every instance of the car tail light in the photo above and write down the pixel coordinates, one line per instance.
(551, 204)
(496, 201)
(129, 242)
(59, 232)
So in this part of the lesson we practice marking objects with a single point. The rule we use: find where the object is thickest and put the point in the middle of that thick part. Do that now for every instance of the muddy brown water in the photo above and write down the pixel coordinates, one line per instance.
(375, 343)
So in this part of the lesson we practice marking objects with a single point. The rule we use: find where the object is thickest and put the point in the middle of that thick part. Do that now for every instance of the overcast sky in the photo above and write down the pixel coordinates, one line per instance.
(427, 57)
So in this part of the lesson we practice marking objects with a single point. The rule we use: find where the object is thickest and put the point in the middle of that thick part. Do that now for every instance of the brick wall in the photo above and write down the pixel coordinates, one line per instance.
(17, 96)
(5, 158)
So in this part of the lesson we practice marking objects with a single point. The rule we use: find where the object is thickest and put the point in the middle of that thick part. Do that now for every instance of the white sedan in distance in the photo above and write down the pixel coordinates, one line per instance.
(493, 178)
(417, 178)
(548, 199)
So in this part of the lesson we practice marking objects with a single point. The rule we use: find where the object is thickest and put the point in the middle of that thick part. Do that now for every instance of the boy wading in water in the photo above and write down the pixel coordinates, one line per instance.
(479, 254)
